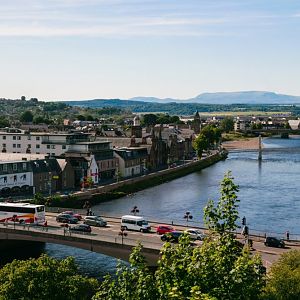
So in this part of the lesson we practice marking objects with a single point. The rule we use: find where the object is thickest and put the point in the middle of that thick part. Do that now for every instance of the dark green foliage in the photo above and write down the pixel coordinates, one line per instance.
(26, 116)
(45, 278)
(149, 119)
(283, 281)
(227, 124)
(218, 269)
(134, 282)
(4, 122)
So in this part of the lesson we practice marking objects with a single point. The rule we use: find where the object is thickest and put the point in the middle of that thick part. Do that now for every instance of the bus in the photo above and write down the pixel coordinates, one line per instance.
(22, 213)
(135, 223)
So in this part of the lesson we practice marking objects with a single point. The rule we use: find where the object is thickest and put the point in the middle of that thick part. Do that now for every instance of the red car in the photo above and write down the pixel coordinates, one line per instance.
(162, 229)
(71, 213)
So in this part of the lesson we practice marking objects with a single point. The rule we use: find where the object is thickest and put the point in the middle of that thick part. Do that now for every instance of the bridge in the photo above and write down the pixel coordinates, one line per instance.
(268, 150)
(106, 240)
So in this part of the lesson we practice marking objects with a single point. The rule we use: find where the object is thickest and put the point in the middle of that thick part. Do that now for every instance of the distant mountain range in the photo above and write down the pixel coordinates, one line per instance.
(208, 102)
(248, 97)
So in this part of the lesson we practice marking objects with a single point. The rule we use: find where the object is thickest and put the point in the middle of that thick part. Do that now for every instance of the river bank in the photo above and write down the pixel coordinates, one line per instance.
(125, 187)
(245, 144)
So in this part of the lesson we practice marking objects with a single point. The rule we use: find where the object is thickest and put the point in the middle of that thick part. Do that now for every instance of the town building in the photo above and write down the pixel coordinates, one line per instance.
(27, 174)
(13, 140)
(132, 161)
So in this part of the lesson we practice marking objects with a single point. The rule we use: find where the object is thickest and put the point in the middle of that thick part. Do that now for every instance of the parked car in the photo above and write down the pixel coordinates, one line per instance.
(72, 213)
(81, 228)
(196, 234)
(65, 218)
(172, 236)
(94, 221)
(274, 242)
(162, 229)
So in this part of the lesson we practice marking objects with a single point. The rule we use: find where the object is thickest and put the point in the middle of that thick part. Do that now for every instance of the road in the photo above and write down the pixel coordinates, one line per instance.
(152, 240)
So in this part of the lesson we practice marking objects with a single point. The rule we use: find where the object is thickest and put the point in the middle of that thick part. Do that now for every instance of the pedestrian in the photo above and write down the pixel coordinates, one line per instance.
(45, 225)
(287, 235)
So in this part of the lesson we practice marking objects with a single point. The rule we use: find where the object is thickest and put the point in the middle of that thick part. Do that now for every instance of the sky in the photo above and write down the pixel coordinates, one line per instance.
(87, 49)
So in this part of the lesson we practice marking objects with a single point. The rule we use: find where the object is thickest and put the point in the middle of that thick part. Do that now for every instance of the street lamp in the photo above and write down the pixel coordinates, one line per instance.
(15, 219)
(122, 233)
(135, 210)
(188, 217)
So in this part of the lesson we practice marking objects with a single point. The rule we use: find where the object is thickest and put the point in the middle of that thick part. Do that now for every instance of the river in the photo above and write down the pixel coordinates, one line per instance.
(269, 198)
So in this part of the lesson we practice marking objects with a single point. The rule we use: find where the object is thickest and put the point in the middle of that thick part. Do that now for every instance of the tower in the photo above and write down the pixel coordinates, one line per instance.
(136, 129)
(197, 123)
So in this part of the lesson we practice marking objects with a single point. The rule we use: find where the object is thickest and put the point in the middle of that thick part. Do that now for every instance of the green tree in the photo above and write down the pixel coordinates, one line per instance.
(227, 124)
(134, 282)
(209, 132)
(39, 199)
(45, 278)
(4, 122)
(219, 269)
(26, 116)
(283, 281)
(149, 119)
(80, 118)
(38, 120)
(200, 144)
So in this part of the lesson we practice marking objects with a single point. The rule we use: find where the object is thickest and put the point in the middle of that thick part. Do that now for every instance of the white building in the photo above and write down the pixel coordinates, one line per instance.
(14, 140)
(294, 124)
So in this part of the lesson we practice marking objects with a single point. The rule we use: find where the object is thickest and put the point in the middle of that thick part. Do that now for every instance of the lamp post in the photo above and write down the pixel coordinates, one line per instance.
(122, 233)
(15, 219)
(50, 183)
(188, 217)
(135, 210)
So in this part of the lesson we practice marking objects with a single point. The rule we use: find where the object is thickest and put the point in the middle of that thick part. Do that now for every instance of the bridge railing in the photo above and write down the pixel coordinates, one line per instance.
(62, 231)
(258, 234)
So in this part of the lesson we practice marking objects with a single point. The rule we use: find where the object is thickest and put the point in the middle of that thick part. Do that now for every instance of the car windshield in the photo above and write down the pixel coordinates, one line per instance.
(144, 222)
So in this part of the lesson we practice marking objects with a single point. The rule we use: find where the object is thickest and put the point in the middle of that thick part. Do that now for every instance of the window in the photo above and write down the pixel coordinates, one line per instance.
(5, 167)
(28, 137)
(18, 145)
(24, 166)
(3, 145)
(40, 208)
(37, 146)
(63, 147)
(37, 138)
(14, 145)
(29, 146)
(18, 137)
(14, 137)
(15, 167)
(53, 154)
(4, 137)
(37, 152)
(52, 146)
(48, 146)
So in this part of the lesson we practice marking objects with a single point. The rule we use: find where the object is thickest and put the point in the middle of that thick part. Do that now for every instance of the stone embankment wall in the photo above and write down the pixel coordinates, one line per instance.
(128, 186)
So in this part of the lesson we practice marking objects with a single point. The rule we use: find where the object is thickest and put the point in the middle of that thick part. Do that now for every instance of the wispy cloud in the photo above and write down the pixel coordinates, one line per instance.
(43, 18)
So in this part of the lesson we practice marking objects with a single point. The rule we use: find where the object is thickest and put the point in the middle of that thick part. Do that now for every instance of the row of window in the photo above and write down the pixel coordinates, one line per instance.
(18, 209)
(4, 167)
(37, 146)
(18, 137)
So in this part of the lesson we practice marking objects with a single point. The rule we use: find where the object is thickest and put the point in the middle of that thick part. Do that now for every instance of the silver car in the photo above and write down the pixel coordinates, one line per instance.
(94, 221)
(196, 234)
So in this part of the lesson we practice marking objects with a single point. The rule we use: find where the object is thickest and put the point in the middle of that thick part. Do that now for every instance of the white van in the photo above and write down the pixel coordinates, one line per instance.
(135, 223)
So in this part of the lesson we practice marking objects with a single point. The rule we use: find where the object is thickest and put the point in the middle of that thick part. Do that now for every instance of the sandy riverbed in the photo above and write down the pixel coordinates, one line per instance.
(247, 144)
